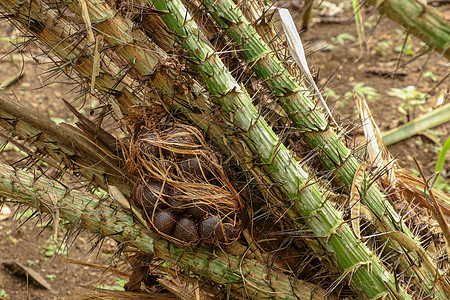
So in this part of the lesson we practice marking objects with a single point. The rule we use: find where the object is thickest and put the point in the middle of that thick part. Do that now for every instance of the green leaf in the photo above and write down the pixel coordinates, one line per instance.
(341, 38)
(441, 159)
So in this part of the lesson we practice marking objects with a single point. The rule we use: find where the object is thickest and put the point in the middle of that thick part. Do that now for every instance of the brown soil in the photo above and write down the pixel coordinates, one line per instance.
(28, 244)
(344, 64)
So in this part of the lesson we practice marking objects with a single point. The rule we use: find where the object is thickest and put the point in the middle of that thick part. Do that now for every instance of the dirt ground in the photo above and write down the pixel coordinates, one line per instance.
(341, 61)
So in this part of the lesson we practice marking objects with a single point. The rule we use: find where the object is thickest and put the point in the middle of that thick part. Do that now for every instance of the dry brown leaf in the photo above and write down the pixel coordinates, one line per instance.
(379, 155)
(355, 198)
(22, 270)
(96, 63)
(87, 21)
(414, 188)
(186, 290)
(399, 183)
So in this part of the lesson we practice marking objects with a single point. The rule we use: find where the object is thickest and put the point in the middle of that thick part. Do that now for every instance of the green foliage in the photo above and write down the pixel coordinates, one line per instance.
(3, 294)
(442, 184)
(341, 38)
(368, 24)
(50, 277)
(430, 75)
(52, 249)
(368, 92)
(383, 46)
(405, 46)
(119, 286)
(410, 96)
(22, 217)
(31, 263)
(329, 93)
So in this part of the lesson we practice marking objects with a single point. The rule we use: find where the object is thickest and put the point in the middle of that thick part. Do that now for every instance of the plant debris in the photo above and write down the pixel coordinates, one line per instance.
(182, 191)
(35, 278)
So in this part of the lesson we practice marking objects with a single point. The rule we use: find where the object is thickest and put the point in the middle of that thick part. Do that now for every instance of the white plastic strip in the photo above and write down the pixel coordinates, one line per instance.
(296, 49)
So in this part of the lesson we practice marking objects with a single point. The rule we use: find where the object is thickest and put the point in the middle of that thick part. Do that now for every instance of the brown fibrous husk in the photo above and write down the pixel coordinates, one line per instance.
(179, 172)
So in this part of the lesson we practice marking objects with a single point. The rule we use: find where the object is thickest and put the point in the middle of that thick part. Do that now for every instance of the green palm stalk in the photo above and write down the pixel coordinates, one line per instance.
(24, 127)
(116, 31)
(339, 229)
(299, 106)
(352, 256)
(422, 20)
(37, 18)
(68, 43)
(77, 207)
(343, 230)
(112, 85)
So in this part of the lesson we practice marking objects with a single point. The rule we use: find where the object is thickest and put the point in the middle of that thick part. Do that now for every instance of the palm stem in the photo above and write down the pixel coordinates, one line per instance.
(41, 14)
(298, 104)
(424, 21)
(70, 148)
(306, 197)
(104, 217)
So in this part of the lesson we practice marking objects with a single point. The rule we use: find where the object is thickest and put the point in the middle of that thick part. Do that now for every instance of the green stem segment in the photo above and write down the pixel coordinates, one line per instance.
(258, 280)
(420, 19)
(296, 100)
(438, 116)
(263, 282)
(352, 256)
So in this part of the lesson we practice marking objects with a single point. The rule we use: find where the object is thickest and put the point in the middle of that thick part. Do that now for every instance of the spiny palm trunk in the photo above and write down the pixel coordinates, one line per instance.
(420, 19)
(115, 86)
(323, 219)
(112, 85)
(352, 256)
(85, 210)
(236, 106)
(69, 148)
(313, 125)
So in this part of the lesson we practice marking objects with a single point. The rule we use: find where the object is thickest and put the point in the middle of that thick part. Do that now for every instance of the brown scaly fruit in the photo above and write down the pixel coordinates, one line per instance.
(186, 230)
(164, 221)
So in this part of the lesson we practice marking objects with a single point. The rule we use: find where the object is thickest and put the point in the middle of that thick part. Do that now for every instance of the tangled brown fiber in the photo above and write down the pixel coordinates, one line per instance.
(182, 191)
